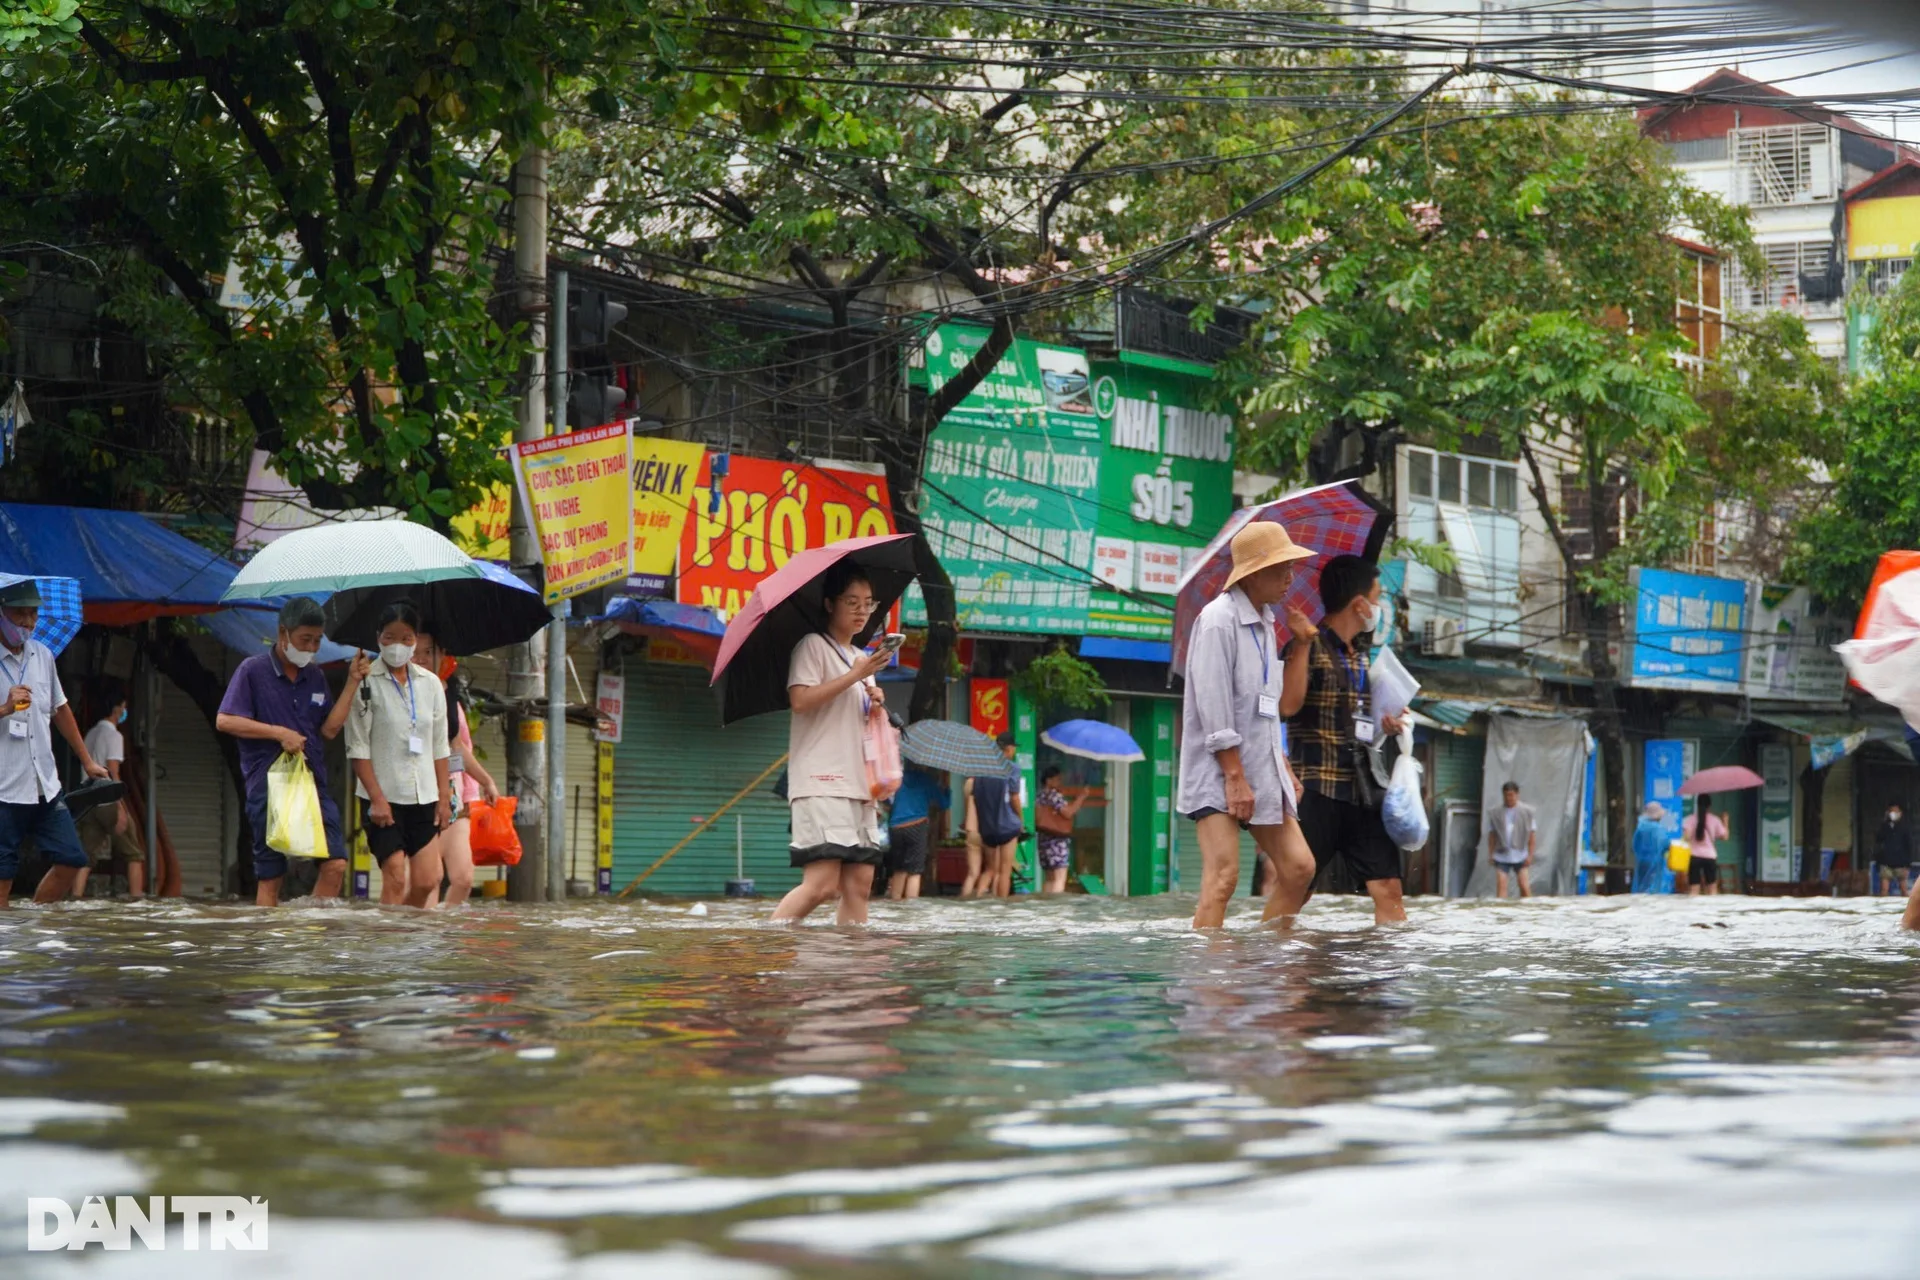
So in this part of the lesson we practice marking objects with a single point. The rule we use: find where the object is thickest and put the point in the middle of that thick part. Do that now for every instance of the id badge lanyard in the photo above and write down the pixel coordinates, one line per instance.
(414, 746)
(1362, 708)
(866, 699)
(1269, 704)
(16, 725)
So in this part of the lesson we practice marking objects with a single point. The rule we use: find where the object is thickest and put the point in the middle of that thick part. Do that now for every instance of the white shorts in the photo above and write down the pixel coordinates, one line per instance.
(834, 827)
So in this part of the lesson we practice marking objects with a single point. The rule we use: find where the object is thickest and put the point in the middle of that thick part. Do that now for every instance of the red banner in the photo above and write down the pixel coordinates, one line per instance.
(769, 511)
(990, 706)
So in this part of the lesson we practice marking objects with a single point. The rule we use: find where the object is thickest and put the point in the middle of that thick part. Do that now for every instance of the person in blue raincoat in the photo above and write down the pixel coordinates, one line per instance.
(1650, 841)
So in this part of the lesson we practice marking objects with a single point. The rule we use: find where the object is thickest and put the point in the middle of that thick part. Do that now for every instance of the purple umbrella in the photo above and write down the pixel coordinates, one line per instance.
(1332, 520)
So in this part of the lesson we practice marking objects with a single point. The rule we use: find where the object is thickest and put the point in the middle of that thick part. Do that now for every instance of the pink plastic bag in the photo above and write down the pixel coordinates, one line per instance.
(882, 748)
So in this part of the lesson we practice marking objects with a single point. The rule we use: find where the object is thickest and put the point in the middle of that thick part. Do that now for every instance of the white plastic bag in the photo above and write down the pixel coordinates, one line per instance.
(1403, 811)
(1885, 659)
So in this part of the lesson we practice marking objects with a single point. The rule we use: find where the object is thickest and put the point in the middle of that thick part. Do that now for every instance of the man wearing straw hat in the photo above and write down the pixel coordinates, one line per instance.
(1233, 764)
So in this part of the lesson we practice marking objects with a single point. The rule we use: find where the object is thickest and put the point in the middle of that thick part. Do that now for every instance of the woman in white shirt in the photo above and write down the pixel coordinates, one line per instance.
(836, 823)
(397, 745)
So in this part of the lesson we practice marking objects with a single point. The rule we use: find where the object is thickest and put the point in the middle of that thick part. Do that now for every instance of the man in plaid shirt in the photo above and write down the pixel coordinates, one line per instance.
(1329, 726)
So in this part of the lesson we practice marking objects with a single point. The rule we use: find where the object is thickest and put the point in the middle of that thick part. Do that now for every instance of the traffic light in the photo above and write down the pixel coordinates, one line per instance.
(595, 396)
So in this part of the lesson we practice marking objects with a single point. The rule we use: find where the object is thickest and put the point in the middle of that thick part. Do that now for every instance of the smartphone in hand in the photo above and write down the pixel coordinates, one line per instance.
(892, 642)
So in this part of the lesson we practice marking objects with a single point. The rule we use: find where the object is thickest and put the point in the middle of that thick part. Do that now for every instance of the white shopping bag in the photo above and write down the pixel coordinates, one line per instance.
(1402, 810)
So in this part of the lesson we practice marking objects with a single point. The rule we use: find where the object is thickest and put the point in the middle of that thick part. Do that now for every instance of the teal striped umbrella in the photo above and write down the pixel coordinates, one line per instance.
(340, 557)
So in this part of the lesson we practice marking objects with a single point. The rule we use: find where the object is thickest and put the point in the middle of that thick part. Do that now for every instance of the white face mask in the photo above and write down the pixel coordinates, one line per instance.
(396, 655)
(296, 658)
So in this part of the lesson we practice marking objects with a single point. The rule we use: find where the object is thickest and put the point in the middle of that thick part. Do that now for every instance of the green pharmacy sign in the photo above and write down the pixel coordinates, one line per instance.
(1166, 487)
(1065, 497)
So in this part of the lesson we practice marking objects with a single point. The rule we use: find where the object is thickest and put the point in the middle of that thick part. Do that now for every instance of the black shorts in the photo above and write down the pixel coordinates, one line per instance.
(414, 827)
(1350, 832)
(907, 849)
(1703, 871)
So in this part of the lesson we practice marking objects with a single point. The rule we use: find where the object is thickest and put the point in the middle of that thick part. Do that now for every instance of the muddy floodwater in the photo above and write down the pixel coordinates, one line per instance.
(1075, 1087)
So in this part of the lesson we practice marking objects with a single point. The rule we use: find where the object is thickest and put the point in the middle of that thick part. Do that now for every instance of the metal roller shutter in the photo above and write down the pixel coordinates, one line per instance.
(675, 766)
(1459, 764)
(196, 796)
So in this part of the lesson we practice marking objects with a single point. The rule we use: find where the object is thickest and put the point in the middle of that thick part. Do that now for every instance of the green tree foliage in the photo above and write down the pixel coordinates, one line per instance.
(1612, 402)
(348, 158)
(1874, 503)
(1456, 218)
(998, 162)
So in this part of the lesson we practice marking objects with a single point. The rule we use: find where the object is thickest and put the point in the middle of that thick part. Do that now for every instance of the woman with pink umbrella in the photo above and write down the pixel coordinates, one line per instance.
(1706, 828)
(797, 644)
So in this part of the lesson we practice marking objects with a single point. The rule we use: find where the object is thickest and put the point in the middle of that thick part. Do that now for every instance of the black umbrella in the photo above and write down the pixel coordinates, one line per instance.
(464, 615)
(751, 671)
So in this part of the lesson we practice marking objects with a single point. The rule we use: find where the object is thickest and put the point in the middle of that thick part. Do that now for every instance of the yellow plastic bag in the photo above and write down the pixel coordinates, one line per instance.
(1679, 857)
(295, 825)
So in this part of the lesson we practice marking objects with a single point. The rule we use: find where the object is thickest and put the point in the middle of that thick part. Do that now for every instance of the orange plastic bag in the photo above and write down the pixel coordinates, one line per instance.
(495, 842)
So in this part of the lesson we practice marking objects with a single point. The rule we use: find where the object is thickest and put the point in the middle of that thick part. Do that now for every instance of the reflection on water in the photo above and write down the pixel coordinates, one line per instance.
(1704, 1087)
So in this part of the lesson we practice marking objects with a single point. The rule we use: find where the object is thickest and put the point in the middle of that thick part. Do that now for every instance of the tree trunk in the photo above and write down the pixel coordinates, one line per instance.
(1611, 735)
(1813, 806)
(905, 463)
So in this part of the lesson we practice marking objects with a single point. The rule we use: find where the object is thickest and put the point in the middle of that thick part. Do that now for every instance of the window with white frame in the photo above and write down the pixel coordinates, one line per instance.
(1786, 164)
(1470, 506)
(1786, 264)
(1879, 274)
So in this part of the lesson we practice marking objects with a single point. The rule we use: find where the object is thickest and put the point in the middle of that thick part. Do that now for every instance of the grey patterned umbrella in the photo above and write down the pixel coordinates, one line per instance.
(955, 748)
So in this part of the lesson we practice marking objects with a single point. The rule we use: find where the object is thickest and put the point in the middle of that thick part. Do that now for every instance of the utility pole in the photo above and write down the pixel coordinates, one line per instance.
(526, 747)
(557, 850)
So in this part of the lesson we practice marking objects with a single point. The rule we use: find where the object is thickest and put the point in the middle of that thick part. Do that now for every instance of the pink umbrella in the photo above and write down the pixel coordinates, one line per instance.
(1332, 520)
(750, 673)
(1727, 777)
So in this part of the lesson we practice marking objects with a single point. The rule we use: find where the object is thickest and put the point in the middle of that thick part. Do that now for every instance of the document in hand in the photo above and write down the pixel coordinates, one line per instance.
(1391, 685)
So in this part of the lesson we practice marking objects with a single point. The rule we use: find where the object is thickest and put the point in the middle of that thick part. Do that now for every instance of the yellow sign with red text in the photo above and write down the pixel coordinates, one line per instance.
(577, 487)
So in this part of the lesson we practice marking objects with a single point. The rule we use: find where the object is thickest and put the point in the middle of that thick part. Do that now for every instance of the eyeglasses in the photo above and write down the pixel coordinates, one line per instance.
(863, 605)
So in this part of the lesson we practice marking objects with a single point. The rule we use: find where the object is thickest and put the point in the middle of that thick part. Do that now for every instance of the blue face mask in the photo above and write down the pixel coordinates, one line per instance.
(120, 717)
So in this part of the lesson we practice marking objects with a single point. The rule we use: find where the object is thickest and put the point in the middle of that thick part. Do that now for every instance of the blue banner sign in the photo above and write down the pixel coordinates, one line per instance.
(1689, 632)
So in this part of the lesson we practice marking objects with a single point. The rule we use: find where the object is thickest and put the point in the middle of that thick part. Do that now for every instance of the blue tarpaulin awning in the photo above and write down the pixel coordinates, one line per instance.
(129, 567)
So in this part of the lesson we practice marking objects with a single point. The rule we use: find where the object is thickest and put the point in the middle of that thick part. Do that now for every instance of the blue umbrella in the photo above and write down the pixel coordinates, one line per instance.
(1093, 740)
(60, 613)
(956, 748)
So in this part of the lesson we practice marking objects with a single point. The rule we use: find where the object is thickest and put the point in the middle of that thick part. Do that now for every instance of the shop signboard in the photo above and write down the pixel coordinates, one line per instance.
(1688, 632)
(1790, 655)
(1166, 486)
(666, 483)
(1669, 763)
(1012, 481)
(768, 512)
(990, 706)
(1776, 811)
(610, 702)
(576, 487)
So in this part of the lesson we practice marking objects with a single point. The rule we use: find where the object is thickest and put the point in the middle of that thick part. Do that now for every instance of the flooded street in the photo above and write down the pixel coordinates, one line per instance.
(1592, 1087)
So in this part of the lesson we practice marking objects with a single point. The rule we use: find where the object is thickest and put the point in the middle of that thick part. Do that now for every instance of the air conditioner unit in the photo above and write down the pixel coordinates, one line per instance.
(1443, 638)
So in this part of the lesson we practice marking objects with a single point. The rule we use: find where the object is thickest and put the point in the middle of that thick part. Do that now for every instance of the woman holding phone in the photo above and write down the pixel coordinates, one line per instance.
(836, 822)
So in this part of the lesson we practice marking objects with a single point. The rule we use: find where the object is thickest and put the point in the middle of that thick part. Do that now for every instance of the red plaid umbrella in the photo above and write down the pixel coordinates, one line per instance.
(1331, 520)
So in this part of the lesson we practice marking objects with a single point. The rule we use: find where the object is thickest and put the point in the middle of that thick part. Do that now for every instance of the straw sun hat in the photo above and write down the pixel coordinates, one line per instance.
(1260, 545)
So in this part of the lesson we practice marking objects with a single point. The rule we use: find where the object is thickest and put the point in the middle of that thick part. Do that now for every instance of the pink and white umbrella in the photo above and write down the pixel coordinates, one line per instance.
(1331, 520)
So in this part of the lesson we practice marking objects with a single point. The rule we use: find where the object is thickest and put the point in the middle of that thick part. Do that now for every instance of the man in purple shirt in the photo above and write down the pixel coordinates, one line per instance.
(277, 702)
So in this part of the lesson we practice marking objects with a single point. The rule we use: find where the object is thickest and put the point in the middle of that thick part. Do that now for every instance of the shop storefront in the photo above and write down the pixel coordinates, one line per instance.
(1065, 497)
